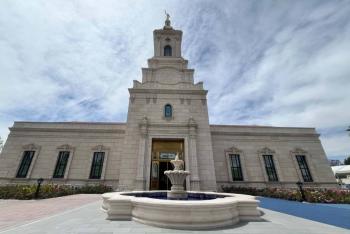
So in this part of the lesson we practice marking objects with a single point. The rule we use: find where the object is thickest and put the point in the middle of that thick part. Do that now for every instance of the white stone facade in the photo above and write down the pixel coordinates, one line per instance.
(127, 147)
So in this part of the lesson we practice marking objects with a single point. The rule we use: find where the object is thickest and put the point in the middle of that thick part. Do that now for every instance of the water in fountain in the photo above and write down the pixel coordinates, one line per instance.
(177, 178)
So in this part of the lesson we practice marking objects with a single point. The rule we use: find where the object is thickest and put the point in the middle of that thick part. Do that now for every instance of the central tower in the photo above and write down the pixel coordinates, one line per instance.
(167, 115)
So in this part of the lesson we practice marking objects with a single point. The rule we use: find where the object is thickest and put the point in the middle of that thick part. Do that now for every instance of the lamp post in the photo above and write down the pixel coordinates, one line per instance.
(39, 181)
(300, 185)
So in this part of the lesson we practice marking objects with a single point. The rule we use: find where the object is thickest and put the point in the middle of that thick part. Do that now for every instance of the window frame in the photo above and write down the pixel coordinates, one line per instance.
(71, 150)
(304, 167)
(98, 149)
(22, 168)
(300, 151)
(28, 147)
(171, 109)
(231, 151)
(268, 151)
(238, 168)
(169, 49)
(61, 162)
(270, 168)
(96, 167)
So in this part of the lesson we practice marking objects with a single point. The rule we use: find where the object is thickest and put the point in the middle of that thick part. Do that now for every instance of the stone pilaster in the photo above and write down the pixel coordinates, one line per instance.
(192, 131)
(140, 177)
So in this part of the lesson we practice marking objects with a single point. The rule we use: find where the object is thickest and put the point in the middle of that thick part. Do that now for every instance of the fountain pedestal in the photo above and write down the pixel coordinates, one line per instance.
(177, 178)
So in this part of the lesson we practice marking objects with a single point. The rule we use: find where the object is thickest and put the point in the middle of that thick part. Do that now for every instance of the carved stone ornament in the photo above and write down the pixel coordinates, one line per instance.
(132, 98)
(30, 147)
(65, 147)
(154, 99)
(266, 150)
(299, 151)
(192, 122)
(144, 121)
(100, 148)
(233, 149)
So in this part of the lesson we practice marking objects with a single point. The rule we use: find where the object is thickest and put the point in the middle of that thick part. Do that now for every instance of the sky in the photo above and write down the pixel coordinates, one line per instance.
(275, 63)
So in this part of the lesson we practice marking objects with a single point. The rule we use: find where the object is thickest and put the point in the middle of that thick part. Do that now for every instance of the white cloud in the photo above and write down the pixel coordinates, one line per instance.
(264, 62)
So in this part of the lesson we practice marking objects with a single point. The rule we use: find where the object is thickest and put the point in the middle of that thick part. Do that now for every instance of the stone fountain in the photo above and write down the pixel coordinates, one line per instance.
(177, 178)
(180, 209)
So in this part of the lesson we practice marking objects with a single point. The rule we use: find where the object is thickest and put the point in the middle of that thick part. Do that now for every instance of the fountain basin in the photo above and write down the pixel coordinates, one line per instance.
(150, 207)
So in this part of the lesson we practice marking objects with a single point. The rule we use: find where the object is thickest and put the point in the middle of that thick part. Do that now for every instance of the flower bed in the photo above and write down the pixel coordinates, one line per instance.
(25, 192)
(311, 194)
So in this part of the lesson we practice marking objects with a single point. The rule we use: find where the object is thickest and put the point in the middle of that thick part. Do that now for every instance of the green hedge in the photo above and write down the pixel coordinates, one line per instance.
(311, 194)
(25, 192)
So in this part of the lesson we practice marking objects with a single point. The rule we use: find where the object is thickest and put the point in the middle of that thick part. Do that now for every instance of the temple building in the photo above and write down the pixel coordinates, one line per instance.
(167, 115)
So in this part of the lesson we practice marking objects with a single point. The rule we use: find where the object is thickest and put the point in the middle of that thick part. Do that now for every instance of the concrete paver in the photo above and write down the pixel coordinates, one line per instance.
(16, 212)
(90, 219)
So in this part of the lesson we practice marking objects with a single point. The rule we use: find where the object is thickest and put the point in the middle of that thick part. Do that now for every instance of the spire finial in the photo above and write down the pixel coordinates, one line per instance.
(167, 21)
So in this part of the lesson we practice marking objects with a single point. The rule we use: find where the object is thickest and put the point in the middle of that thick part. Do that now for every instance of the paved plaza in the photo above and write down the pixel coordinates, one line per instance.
(82, 214)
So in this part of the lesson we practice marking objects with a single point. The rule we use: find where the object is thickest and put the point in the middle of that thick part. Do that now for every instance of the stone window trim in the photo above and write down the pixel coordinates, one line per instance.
(71, 150)
(234, 150)
(98, 148)
(28, 147)
(300, 151)
(172, 112)
(167, 51)
(268, 151)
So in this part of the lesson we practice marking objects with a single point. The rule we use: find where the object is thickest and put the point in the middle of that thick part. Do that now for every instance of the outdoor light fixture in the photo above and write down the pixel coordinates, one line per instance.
(300, 185)
(39, 181)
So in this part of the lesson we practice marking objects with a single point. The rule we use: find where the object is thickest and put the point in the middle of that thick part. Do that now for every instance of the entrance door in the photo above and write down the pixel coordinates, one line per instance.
(164, 182)
(163, 151)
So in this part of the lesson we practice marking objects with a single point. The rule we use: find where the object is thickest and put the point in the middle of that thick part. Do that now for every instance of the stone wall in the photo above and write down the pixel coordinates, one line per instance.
(47, 139)
(82, 139)
(283, 143)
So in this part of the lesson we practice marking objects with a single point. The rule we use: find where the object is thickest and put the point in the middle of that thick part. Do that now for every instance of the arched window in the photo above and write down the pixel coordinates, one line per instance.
(167, 50)
(168, 111)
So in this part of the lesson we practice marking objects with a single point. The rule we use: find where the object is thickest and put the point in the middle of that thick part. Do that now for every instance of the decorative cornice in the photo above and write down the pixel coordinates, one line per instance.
(168, 91)
(28, 129)
(264, 134)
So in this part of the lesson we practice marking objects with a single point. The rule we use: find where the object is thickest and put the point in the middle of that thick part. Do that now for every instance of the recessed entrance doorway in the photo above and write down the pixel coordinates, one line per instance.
(164, 150)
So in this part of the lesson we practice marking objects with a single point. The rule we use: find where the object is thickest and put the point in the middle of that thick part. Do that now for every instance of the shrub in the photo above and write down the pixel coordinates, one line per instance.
(311, 194)
(25, 192)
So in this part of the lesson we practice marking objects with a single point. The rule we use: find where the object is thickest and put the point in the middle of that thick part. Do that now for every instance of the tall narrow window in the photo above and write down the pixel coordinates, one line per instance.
(167, 50)
(168, 111)
(236, 167)
(270, 168)
(97, 165)
(61, 164)
(305, 172)
(25, 164)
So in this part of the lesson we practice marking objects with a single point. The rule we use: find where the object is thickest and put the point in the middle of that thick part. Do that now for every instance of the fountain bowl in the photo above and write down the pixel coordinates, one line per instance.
(202, 210)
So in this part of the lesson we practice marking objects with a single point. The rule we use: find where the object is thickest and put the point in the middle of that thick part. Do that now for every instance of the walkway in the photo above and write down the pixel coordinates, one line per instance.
(90, 219)
(16, 212)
